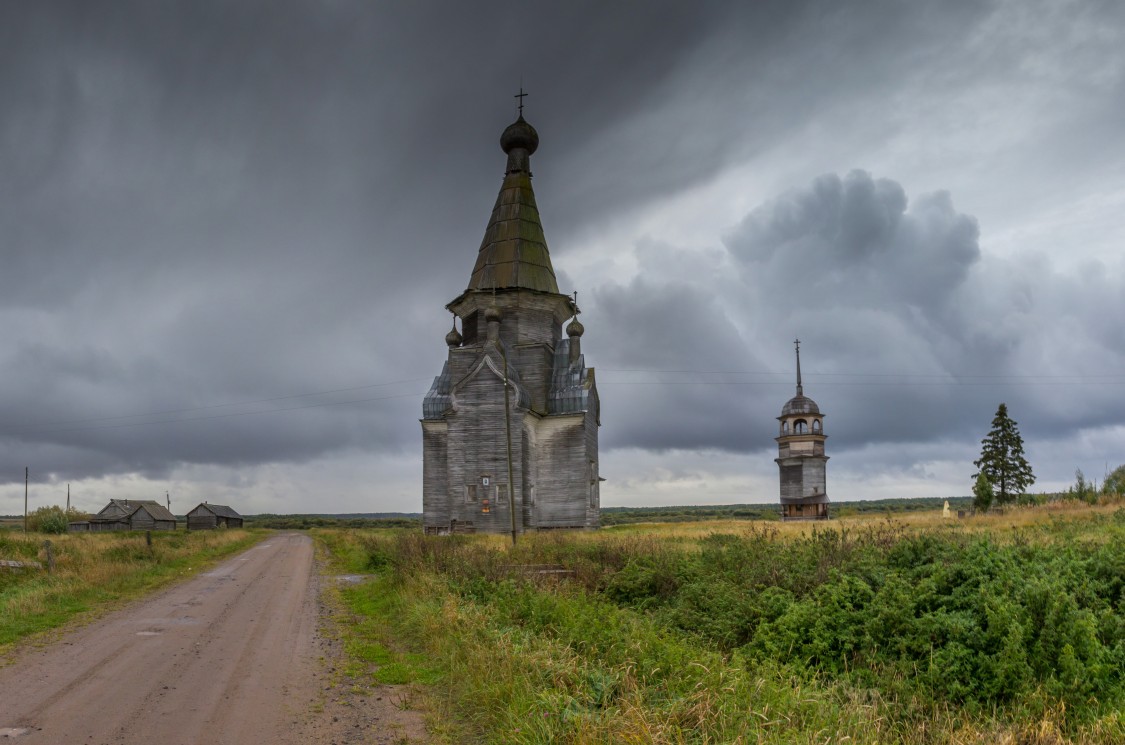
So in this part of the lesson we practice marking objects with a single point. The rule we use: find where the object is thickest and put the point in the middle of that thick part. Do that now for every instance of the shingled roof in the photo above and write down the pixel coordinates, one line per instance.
(514, 252)
(220, 510)
(154, 508)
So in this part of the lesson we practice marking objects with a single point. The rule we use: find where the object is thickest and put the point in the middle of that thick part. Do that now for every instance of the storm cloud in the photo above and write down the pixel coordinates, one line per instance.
(229, 230)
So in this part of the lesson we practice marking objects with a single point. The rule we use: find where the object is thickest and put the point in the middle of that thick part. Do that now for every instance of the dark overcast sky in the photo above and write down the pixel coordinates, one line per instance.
(229, 231)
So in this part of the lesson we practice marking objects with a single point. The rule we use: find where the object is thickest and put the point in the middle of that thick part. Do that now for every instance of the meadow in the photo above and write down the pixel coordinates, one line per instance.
(996, 628)
(96, 571)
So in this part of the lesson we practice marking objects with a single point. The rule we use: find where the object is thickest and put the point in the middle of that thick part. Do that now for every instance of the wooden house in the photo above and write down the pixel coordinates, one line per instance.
(210, 516)
(800, 457)
(510, 426)
(132, 514)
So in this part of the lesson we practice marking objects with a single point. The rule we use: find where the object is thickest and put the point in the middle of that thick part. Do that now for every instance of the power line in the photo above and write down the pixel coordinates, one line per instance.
(55, 425)
(833, 379)
(233, 414)
(861, 384)
(943, 376)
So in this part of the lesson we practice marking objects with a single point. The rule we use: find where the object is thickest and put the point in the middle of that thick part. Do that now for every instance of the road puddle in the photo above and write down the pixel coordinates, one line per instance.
(13, 732)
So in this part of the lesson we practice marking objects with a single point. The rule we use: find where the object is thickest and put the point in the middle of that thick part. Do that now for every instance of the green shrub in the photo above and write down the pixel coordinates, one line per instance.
(53, 519)
(1029, 628)
(1114, 484)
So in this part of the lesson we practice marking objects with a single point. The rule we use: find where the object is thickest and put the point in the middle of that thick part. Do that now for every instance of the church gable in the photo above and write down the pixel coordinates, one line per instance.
(485, 382)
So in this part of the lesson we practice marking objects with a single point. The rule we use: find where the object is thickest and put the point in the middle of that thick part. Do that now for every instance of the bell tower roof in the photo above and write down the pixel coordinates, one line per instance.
(799, 404)
(514, 251)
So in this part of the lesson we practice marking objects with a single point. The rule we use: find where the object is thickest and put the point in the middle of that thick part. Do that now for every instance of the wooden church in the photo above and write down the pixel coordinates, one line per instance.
(800, 456)
(510, 426)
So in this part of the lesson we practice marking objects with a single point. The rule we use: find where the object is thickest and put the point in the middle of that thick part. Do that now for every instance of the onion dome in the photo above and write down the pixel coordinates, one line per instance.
(575, 328)
(453, 338)
(519, 134)
(492, 313)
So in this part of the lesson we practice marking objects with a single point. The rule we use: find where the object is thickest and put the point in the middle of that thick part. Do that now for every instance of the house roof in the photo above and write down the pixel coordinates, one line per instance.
(514, 251)
(220, 510)
(129, 506)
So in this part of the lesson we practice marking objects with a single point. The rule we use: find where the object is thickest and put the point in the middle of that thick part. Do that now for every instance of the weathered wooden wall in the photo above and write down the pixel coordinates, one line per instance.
(201, 520)
(477, 448)
(553, 456)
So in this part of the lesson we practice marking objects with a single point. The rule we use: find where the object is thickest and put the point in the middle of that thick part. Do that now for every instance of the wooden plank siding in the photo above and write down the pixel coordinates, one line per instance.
(554, 456)
(212, 516)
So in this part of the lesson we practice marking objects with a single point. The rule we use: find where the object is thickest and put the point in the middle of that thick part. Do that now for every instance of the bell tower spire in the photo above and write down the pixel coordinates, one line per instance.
(800, 388)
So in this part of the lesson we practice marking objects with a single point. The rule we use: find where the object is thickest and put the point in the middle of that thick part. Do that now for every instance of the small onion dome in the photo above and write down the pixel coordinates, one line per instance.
(453, 338)
(800, 405)
(492, 313)
(519, 134)
(575, 328)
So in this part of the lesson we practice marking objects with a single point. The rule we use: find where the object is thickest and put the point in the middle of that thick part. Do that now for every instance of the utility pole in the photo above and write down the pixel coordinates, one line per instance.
(508, 434)
(168, 499)
(68, 500)
(25, 470)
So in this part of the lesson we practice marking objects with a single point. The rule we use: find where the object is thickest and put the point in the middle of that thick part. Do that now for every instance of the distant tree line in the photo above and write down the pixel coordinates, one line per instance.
(305, 522)
(691, 513)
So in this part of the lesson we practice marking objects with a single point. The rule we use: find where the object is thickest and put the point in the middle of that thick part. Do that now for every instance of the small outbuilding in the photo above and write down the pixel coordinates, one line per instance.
(210, 516)
(131, 514)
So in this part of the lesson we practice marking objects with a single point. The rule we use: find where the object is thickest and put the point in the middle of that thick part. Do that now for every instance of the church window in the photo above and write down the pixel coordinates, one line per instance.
(800, 427)
(785, 428)
(816, 425)
(502, 495)
(469, 328)
(471, 493)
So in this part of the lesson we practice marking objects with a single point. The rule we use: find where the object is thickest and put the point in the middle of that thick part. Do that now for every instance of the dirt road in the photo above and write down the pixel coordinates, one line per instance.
(231, 656)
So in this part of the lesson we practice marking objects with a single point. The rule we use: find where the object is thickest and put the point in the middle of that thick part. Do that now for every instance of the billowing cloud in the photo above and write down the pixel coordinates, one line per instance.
(912, 334)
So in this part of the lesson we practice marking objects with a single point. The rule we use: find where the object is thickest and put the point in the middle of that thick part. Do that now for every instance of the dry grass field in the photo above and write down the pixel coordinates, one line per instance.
(1005, 628)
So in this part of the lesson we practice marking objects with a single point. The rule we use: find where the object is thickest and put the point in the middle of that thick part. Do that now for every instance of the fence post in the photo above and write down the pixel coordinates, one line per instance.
(50, 557)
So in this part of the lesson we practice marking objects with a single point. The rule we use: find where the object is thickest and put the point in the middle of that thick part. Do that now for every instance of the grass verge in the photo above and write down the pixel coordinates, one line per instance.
(94, 572)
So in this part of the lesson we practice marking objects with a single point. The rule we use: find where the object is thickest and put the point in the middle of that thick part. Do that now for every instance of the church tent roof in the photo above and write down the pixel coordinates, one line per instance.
(513, 253)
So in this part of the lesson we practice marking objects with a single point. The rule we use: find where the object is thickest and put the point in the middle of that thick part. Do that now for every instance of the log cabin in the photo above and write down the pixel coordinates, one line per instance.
(128, 514)
(210, 516)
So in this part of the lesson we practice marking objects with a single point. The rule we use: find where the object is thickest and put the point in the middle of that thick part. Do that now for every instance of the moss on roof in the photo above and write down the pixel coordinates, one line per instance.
(514, 250)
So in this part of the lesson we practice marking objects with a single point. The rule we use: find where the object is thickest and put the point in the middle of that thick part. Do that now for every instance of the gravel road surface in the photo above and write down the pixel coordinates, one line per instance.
(230, 656)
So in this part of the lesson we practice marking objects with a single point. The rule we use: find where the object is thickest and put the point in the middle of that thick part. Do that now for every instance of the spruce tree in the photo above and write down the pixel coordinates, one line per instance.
(1001, 459)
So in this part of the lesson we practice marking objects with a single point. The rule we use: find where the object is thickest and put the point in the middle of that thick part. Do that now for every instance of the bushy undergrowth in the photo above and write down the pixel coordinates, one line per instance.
(880, 634)
(53, 519)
